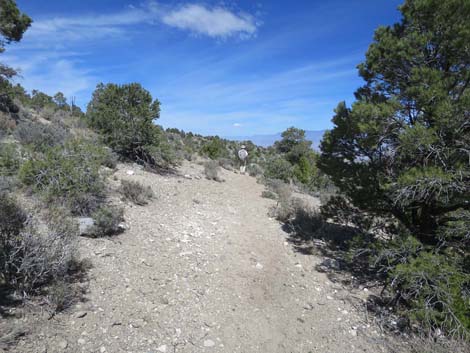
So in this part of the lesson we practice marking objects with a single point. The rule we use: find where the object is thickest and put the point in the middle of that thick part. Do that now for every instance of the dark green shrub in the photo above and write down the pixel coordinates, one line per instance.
(124, 115)
(136, 192)
(435, 292)
(214, 149)
(278, 168)
(107, 220)
(69, 175)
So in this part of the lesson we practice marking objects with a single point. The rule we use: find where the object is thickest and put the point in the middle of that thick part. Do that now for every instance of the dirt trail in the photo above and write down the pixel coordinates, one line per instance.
(203, 268)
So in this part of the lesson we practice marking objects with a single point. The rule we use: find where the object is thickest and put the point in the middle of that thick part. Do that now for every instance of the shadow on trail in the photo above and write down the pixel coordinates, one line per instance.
(310, 234)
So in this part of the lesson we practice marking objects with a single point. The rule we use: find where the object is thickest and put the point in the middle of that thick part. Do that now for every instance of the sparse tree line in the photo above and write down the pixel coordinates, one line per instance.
(393, 173)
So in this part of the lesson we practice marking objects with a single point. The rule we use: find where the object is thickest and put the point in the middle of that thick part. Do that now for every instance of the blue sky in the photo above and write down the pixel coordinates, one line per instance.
(227, 68)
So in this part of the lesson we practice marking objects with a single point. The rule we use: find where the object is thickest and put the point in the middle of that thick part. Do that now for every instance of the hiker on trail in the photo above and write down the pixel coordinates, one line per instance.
(243, 155)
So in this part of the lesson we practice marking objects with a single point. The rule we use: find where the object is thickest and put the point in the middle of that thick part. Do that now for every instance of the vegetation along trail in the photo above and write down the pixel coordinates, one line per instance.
(202, 268)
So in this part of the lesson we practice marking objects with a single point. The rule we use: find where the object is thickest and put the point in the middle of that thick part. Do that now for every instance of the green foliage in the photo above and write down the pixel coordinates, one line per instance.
(278, 168)
(125, 115)
(107, 220)
(13, 23)
(401, 151)
(437, 291)
(40, 100)
(214, 149)
(68, 174)
(136, 192)
(9, 159)
(303, 170)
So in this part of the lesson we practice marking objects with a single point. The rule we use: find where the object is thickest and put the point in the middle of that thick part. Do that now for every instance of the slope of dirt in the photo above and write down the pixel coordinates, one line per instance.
(203, 268)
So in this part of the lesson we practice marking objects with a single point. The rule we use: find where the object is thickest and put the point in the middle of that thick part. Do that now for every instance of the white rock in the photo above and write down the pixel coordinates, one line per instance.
(259, 266)
(63, 344)
(85, 225)
(130, 172)
(209, 343)
(81, 341)
(102, 349)
(162, 348)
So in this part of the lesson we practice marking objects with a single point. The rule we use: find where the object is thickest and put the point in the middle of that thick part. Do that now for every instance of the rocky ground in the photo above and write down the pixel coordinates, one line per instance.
(202, 268)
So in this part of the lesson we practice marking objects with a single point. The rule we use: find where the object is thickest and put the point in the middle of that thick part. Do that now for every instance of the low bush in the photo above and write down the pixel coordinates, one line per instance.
(136, 192)
(214, 148)
(254, 170)
(107, 220)
(40, 136)
(269, 195)
(69, 175)
(29, 259)
(211, 170)
(434, 291)
(278, 168)
(9, 159)
(226, 163)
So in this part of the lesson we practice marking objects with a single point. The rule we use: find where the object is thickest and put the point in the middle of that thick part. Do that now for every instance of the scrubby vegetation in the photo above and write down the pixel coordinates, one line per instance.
(136, 192)
(211, 170)
(400, 154)
(393, 174)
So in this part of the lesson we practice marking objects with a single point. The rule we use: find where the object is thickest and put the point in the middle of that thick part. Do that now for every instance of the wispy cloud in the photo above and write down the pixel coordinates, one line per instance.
(237, 125)
(216, 22)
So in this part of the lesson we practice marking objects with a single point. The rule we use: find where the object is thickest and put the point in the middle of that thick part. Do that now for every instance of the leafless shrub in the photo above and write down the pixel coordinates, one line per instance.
(226, 163)
(30, 259)
(136, 192)
(40, 136)
(211, 170)
(427, 345)
(267, 194)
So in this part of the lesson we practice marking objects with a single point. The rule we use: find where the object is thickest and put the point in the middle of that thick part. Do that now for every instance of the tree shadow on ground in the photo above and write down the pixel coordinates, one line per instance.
(311, 234)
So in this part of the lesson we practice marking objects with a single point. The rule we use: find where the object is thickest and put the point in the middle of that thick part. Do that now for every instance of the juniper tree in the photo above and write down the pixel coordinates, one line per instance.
(403, 147)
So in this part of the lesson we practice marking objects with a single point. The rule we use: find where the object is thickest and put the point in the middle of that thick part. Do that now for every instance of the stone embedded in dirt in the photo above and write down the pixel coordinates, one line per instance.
(63, 344)
(187, 176)
(130, 172)
(81, 341)
(80, 314)
(85, 225)
(330, 264)
(259, 266)
(162, 348)
(102, 349)
(209, 343)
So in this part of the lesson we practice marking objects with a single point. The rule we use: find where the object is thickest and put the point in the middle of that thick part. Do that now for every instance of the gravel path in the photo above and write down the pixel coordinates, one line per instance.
(203, 268)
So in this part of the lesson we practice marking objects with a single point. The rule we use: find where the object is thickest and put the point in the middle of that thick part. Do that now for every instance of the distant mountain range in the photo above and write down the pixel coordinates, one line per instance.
(268, 140)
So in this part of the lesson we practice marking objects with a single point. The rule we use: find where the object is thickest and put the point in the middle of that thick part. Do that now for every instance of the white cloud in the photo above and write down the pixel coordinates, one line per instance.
(237, 125)
(213, 22)
(216, 22)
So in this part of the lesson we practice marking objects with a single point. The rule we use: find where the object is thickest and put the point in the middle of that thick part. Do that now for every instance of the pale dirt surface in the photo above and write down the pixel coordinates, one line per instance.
(202, 268)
